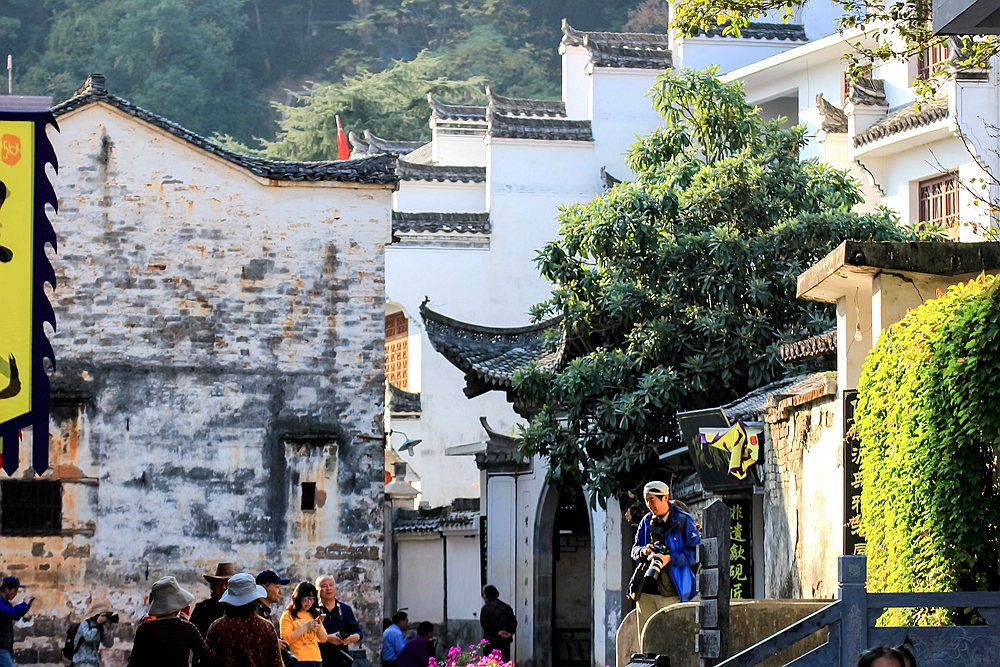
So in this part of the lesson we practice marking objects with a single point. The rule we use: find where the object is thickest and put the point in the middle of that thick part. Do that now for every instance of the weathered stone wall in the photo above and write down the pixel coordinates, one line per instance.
(803, 501)
(220, 342)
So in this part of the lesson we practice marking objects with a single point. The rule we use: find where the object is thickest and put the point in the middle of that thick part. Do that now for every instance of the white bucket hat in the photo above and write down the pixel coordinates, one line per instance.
(242, 590)
(167, 596)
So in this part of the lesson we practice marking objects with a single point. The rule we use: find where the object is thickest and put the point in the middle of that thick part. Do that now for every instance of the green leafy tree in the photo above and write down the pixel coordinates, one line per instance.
(928, 420)
(677, 288)
(173, 57)
(392, 104)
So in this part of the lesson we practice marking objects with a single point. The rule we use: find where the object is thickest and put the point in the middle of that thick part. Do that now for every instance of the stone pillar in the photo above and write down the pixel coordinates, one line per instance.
(713, 613)
(853, 573)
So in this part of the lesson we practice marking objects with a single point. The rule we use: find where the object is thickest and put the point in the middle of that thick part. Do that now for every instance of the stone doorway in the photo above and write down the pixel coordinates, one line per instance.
(572, 583)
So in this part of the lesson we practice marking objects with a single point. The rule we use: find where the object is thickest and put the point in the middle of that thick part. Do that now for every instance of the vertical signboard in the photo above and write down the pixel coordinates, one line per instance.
(741, 548)
(854, 544)
(24, 269)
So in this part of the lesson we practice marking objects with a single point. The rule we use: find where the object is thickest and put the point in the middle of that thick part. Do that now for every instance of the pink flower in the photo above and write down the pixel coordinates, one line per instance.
(483, 642)
(432, 663)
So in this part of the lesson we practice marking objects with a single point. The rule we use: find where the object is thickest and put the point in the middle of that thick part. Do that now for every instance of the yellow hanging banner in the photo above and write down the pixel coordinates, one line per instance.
(17, 201)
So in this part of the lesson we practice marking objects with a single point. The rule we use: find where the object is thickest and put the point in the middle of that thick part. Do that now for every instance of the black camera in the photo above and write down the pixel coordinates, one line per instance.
(112, 618)
(653, 571)
(344, 633)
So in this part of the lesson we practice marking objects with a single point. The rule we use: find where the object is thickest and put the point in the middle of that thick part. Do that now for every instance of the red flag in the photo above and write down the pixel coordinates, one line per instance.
(343, 150)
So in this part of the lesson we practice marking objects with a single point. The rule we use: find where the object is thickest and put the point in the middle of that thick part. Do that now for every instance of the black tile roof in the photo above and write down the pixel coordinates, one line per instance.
(869, 92)
(410, 171)
(379, 169)
(460, 223)
(755, 404)
(434, 520)
(401, 400)
(834, 119)
(629, 50)
(823, 345)
(778, 31)
(444, 111)
(489, 356)
(511, 118)
(369, 144)
(907, 118)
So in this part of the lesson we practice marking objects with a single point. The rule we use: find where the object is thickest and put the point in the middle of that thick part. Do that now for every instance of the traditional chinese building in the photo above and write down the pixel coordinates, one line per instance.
(219, 377)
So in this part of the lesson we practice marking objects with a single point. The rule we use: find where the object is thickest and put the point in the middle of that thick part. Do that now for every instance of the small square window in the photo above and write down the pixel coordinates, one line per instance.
(308, 496)
(30, 508)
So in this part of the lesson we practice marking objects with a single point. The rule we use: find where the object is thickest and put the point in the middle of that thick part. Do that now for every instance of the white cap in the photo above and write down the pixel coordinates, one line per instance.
(656, 489)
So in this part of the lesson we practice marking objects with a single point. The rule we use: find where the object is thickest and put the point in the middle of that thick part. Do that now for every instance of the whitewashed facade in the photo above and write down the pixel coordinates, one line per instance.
(478, 201)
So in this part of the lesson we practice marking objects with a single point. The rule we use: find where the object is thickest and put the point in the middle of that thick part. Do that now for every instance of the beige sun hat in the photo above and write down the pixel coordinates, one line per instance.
(167, 596)
(97, 608)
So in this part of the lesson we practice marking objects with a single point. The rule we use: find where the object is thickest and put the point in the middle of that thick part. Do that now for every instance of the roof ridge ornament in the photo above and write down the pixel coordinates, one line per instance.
(94, 85)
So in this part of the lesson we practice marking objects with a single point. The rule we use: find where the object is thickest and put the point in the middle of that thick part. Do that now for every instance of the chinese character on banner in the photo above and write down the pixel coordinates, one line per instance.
(740, 548)
(854, 542)
(24, 269)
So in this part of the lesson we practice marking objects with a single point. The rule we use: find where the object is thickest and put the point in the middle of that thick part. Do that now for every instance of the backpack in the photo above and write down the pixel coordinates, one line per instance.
(69, 648)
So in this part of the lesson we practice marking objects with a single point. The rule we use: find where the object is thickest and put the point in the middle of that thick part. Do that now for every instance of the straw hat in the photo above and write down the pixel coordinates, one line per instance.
(223, 571)
(97, 608)
(167, 596)
(243, 590)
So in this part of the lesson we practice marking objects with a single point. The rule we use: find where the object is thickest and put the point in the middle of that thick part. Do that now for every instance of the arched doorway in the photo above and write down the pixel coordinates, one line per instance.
(564, 581)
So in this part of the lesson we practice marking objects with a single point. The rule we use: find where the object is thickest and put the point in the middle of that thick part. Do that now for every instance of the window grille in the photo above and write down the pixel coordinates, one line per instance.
(30, 508)
(931, 60)
(397, 353)
(939, 201)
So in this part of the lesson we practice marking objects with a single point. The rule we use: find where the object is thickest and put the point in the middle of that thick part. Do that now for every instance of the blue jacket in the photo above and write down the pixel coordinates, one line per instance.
(682, 538)
(8, 614)
(392, 642)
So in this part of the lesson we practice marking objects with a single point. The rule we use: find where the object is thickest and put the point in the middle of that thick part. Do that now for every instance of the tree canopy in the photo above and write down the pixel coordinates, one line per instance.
(677, 288)
(216, 66)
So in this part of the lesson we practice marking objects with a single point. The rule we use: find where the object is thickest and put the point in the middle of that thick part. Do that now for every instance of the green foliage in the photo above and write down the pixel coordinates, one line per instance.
(173, 57)
(676, 289)
(393, 104)
(215, 66)
(901, 30)
(928, 419)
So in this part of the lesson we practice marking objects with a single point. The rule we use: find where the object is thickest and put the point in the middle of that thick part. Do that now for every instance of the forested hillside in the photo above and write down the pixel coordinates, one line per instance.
(218, 66)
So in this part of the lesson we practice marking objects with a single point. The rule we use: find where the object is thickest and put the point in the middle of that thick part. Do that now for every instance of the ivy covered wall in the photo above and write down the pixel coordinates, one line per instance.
(928, 418)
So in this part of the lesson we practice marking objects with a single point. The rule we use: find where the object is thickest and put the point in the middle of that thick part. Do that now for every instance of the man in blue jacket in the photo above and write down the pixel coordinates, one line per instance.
(670, 536)
(8, 614)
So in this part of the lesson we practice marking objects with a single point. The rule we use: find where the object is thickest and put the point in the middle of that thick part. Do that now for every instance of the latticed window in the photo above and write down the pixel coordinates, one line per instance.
(30, 508)
(931, 60)
(397, 354)
(939, 201)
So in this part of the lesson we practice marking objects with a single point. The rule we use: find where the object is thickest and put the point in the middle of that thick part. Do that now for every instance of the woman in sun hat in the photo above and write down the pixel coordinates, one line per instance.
(241, 638)
(169, 640)
(93, 633)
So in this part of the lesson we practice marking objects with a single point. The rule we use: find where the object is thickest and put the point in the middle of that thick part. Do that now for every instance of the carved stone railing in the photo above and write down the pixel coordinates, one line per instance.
(851, 627)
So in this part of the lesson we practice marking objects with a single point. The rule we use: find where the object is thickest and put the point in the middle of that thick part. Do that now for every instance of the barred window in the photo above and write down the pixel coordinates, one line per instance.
(939, 201)
(397, 353)
(931, 60)
(29, 508)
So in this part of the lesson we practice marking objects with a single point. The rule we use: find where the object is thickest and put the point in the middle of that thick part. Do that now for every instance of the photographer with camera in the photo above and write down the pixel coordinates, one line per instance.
(665, 550)
(93, 633)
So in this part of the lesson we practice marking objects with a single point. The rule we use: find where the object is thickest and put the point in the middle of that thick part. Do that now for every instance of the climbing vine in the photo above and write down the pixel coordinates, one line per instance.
(928, 418)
